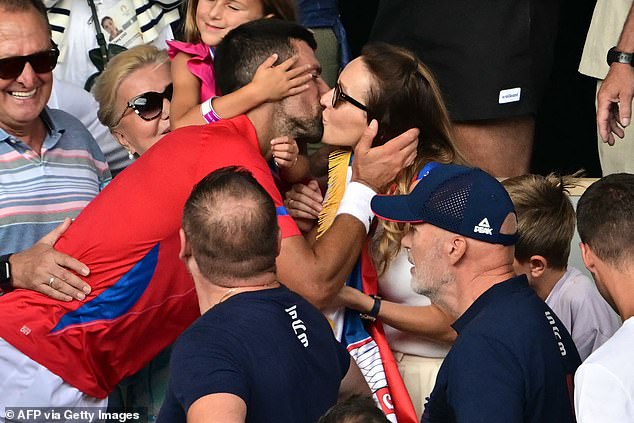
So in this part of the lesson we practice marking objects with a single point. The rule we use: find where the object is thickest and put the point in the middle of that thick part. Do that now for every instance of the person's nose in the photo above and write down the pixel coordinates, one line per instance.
(322, 86)
(28, 76)
(326, 97)
(406, 242)
(216, 10)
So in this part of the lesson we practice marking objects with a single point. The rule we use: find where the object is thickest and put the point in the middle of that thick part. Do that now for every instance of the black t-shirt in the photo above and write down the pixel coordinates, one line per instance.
(513, 361)
(271, 348)
(492, 59)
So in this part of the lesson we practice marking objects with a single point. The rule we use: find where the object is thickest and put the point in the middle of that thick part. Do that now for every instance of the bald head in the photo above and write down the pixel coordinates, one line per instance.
(231, 225)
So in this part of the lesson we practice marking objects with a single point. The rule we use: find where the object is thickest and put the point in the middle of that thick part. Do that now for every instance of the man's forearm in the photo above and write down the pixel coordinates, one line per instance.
(317, 273)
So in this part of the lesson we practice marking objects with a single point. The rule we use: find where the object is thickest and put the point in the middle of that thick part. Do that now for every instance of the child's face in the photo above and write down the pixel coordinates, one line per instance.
(215, 18)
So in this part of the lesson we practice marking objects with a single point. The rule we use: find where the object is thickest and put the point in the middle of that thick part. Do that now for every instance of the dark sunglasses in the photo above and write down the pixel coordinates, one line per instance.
(339, 95)
(42, 62)
(149, 105)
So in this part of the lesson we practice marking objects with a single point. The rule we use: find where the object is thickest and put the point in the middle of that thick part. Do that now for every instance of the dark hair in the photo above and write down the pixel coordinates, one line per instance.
(106, 18)
(605, 218)
(231, 223)
(355, 409)
(244, 48)
(545, 217)
(25, 5)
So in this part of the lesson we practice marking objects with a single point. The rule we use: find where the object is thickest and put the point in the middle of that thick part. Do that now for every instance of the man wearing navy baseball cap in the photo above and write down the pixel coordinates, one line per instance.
(513, 360)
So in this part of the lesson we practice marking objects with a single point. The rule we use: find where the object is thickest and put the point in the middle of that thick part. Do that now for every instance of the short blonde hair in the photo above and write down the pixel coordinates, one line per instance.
(118, 69)
(546, 217)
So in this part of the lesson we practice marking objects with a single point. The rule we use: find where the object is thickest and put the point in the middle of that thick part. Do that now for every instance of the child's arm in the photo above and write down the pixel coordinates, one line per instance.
(184, 107)
(270, 83)
(294, 167)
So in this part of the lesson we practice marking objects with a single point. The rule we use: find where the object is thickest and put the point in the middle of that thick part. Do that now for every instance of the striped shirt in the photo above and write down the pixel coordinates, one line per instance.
(38, 192)
(152, 17)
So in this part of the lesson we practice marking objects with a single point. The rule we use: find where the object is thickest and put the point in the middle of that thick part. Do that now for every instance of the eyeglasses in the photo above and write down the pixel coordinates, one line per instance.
(339, 95)
(42, 62)
(149, 105)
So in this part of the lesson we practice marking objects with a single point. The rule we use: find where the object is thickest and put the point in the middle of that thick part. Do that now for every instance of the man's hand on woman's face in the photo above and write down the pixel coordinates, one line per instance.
(377, 167)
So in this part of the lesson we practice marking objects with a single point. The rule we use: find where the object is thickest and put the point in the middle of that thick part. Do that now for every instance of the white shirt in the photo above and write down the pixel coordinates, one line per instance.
(395, 285)
(79, 37)
(604, 383)
(607, 22)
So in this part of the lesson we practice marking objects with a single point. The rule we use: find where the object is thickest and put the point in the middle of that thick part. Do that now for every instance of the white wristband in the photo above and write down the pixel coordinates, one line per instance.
(356, 202)
(208, 112)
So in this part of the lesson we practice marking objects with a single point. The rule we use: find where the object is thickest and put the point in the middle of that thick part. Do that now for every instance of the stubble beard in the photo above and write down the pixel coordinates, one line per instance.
(430, 287)
(428, 281)
(308, 129)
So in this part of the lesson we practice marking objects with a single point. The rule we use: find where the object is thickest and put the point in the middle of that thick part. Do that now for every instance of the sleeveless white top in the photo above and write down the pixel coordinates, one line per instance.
(395, 286)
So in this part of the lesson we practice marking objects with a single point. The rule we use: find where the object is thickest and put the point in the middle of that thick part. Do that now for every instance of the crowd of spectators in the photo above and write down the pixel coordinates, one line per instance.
(240, 221)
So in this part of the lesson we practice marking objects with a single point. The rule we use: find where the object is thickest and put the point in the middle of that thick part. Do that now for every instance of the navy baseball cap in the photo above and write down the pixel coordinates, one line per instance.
(459, 199)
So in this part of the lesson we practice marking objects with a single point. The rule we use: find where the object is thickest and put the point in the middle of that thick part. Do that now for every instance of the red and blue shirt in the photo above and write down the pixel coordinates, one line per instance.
(142, 295)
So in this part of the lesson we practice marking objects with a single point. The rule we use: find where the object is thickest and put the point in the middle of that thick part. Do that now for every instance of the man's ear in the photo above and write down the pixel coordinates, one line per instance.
(589, 259)
(186, 249)
(279, 242)
(537, 265)
(456, 248)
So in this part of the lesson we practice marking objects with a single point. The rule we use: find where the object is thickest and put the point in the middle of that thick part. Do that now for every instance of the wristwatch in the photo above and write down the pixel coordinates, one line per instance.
(620, 57)
(374, 313)
(5, 273)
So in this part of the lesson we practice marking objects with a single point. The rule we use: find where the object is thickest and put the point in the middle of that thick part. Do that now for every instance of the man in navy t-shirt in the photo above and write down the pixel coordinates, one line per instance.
(259, 352)
(513, 360)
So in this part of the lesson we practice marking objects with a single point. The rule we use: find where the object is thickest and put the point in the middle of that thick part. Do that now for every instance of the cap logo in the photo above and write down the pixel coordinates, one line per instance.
(483, 227)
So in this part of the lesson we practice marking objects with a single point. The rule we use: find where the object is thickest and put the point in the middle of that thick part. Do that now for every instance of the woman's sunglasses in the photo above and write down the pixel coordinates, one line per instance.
(149, 105)
(339, 95)
(42, 62)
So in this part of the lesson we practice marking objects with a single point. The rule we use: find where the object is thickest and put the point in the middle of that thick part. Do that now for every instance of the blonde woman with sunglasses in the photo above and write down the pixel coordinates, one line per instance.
(134, 94)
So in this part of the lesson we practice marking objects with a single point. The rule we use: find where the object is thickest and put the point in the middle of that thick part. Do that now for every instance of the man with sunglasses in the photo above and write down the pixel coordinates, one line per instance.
(142, 296)
(50, 165)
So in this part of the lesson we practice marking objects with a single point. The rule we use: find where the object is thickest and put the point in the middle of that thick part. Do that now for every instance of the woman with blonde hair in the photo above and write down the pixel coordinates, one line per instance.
(134, 93)
(390, 85)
